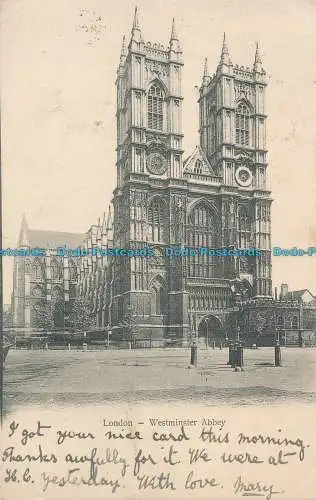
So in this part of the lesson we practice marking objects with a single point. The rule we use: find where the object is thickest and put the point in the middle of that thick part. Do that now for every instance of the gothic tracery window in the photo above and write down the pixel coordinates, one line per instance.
(242, 124)
(156, 220)
(280, 322)
(198, 167)
(72, 271)
(158, 298)
(202, 232)
(244, 227)
(155, 107)
(56, 270)
(38, 270)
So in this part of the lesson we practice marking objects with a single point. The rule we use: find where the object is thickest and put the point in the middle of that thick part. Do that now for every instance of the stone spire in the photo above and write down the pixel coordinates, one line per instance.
(225, 57)
(123, 55)
(174, 44)
(104, 221)
(136, 21)
(24, 223)
(123, 50)
(23, 236)
(109, 225)
(174, 35)
(205, 71)
(205, 79)
(136, 31)
(257, 67)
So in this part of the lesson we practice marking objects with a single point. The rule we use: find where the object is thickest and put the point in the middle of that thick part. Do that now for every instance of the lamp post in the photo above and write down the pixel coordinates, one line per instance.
(193, 361)
(277, 349)
(238, 333)
(109, 326)
(109, 333)
(238, 354)
(207, 331)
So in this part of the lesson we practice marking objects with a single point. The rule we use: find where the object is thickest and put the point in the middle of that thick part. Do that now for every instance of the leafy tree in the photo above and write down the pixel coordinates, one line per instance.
(42, 316)
(80, 316)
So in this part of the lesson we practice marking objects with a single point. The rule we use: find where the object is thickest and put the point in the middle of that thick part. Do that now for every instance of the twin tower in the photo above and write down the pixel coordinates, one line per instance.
(215, 198)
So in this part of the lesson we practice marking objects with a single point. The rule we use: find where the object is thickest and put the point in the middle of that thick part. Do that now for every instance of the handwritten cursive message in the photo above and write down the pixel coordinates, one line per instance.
(198, 458)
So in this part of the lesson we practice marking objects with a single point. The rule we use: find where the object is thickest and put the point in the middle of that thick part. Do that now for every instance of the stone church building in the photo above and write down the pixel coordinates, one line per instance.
(215, 198)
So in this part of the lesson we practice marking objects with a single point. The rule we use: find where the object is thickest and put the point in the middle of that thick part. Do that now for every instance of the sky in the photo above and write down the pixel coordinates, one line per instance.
(58, 71)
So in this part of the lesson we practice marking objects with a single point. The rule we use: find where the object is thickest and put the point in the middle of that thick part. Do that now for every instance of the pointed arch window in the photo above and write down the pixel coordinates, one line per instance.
(56, 270)
(198, 167)
(155, 220)
(295, 322)
(158, 299)
(155, 103)
(73, 274)
(280, 322)
(242, 124)
(244, 227)
(202, 232)
(38, 270)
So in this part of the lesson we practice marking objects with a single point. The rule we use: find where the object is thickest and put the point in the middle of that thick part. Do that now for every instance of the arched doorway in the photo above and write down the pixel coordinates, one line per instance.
(210, 331)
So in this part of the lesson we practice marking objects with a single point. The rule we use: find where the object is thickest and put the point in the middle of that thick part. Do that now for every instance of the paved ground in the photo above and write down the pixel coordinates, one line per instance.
(50, 378)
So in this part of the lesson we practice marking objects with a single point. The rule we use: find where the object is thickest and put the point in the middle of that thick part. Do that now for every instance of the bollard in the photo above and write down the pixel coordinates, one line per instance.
(234, 357)
(230, 354)
(277, 355)
(68, 347)
(221, 346)
(239, 358)
(193, 354)
(46, 346)
(214, 344)
(85, 346)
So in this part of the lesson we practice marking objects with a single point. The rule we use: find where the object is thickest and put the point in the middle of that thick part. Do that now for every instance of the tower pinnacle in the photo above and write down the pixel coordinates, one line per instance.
(174, 35)
(225, 57)
(205, 73)
(123, 51)
(136, 31)
(136, 21)
(258, 61)
(174, 44)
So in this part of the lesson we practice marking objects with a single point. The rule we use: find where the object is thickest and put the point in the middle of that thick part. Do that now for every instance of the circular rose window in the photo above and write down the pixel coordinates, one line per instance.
(243, 176)
(156, 164)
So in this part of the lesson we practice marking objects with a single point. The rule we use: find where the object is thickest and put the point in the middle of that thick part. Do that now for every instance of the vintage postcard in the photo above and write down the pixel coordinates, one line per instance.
(158, 254)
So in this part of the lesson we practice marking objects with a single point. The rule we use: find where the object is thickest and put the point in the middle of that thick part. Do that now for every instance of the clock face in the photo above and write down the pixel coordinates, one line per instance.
(243, 176)
(156, 164)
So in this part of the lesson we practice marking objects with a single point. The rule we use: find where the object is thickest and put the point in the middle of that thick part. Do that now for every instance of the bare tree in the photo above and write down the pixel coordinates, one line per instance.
(130, 326)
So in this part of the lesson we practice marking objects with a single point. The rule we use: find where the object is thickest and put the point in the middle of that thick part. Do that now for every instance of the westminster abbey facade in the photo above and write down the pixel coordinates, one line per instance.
(216, 198)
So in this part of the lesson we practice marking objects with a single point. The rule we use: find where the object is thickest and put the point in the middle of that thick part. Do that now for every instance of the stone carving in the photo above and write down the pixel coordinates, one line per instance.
(156, 139)
(243, 90)
(157, 68)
